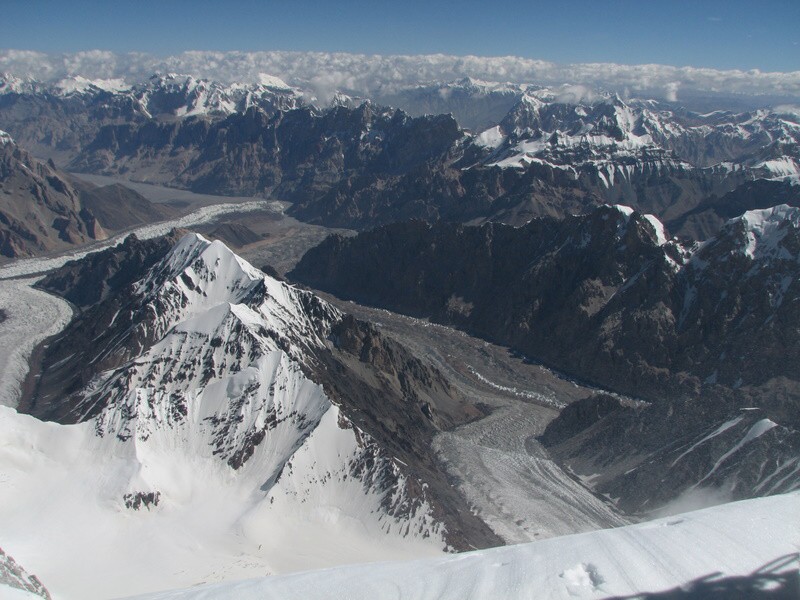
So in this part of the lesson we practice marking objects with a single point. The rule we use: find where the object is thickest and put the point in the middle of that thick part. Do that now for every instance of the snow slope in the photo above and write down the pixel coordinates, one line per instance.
(212, 456)
(758, 538)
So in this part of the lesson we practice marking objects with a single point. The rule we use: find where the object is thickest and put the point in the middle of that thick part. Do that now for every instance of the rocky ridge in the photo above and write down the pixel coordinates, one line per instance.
(57, 119)
(355, 164)
(605, 296)
(193, 342)
(705, 332)
(43, 209)
(374, 166)
(13, 576)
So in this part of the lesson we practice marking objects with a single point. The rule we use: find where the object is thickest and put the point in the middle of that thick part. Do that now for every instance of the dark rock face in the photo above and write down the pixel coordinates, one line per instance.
(294, 155)
(595, 296)
(234, 235)
(51, 125)
(58, 123)
(401, 402)
(140, 500)
(708, 217)
(358, 167)
(39, 209)
(104, 275)
(579, 416)
(689, 453)
(708, 333)
(16, 577)
(118, 207)
(107, 329)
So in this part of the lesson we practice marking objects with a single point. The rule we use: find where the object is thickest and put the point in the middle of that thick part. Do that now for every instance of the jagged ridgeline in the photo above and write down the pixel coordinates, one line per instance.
(356, 165)
(199, 371)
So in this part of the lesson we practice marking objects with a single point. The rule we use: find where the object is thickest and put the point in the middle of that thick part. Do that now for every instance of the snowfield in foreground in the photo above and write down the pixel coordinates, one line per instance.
(758, 539)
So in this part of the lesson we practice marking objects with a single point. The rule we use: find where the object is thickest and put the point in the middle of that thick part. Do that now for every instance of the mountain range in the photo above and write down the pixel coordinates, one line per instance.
(570, 310)
(700, 331)
(357, 164)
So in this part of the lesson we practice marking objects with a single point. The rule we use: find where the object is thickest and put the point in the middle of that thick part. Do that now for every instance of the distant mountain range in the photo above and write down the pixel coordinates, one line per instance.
(357, 164)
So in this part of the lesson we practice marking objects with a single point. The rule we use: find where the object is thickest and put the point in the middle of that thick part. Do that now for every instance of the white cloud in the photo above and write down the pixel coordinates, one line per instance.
(323, 72)
(671, 91)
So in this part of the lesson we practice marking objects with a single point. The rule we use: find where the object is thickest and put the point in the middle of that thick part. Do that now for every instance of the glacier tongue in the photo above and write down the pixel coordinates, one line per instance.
(213, 454)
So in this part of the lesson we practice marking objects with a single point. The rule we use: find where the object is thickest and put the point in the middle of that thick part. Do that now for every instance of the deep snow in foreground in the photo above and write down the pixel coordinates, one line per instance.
(760, 536)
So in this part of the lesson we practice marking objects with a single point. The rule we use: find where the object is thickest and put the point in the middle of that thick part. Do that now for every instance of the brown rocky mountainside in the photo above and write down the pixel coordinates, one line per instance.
(42, 209)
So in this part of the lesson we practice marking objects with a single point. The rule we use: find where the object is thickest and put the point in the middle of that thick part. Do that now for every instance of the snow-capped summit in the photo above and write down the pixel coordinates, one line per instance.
(198, 277)
(762, 233)
(271, 81)
(164, 95)
(76, 85)
(613, 138)
(760, 236)
(185, 96)
(5, 138)
(205, 435)
(10, 84)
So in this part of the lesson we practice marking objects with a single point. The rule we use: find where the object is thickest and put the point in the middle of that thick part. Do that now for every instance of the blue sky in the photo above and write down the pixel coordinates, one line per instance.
(733, 34)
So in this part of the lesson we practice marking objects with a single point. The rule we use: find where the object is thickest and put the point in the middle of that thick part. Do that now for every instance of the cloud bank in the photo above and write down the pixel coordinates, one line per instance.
(362, 74)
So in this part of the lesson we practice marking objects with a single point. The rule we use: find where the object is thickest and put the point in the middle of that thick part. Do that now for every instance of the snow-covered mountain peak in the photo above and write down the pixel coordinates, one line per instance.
(204, 273)
(81, 85)
(198, 276)
(216, 256)
(10, 84)
(658, 233)
(653, 229)
(271, 81)
(5, 138)
(765, 230)
(207, 430)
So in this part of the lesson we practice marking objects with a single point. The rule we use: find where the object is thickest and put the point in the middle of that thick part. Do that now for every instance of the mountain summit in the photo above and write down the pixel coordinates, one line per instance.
(217, 419)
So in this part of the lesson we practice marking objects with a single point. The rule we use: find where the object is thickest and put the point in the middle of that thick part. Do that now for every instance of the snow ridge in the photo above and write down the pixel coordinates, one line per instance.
(765, 230)
(609, 140)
